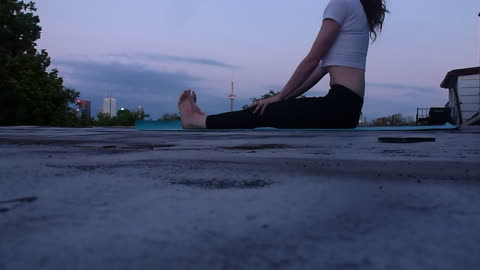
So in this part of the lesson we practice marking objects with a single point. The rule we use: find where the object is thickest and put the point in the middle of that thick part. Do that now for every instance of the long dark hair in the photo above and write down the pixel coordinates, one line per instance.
(375, 10)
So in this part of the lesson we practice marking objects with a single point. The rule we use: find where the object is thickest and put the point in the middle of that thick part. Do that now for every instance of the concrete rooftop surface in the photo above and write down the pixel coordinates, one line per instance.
(117, 198)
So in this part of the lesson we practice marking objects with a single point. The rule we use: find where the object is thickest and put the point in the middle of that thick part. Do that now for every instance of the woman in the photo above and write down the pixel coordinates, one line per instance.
(339, 50)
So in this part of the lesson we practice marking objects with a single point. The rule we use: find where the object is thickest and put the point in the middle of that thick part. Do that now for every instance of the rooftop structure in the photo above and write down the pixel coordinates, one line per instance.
(117, 198)
(464, 95)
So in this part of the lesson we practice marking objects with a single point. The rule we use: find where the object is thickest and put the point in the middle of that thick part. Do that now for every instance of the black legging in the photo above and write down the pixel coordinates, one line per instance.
(340, 108)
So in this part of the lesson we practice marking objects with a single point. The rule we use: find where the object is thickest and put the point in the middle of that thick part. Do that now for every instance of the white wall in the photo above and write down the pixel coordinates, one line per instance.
(469, 95)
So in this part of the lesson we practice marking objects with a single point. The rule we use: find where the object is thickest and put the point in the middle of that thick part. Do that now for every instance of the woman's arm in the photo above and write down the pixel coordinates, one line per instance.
(314, 78)
(325, 39)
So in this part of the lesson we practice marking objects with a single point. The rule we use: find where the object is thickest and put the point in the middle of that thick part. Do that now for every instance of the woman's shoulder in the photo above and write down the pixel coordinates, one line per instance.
(346, 2)
(339, 10)
(345, 5)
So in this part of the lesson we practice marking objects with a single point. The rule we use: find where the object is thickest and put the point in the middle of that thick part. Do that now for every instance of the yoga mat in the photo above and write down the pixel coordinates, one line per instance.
(145, 125)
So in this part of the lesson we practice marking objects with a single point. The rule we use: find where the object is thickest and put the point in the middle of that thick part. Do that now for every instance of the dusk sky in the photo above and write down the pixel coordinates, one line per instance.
(146, 52)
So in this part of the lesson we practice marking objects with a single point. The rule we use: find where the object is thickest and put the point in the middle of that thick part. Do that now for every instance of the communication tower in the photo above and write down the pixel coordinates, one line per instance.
(232, 98)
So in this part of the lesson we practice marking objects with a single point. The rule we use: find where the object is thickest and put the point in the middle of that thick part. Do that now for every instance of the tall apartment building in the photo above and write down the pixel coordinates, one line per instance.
(110, 106)
(84, 107)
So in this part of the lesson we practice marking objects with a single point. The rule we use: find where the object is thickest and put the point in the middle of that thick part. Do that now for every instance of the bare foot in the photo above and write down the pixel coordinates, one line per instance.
(191, 115)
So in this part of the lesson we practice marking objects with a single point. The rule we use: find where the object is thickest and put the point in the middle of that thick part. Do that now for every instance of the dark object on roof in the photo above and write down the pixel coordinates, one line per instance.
(436, 116)
(439, 115)
(405, 139)
(451, 79)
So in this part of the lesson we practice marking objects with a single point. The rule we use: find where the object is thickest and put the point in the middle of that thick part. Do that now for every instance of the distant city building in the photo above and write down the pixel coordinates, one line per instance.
(110, 106)
(84, 107)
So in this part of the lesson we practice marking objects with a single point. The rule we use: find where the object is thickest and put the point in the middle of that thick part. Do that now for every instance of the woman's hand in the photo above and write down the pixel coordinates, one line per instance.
(261, 105)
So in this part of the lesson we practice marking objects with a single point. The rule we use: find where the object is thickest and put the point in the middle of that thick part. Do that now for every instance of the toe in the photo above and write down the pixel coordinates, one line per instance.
(182, 97)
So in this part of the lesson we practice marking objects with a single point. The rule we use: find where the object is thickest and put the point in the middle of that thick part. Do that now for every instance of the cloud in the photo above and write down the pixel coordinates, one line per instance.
(126, 76)
(389, 98)
(131, 84)
(135, 85)
(172, 58)
(400, 86)
(375, 107)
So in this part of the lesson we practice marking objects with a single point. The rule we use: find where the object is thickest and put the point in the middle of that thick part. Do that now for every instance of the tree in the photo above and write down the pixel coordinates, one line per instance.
(394, 120)
(104, 119)
(140, 115)
(29, 93)
(124, 117)
(169, 117)
(84, 120)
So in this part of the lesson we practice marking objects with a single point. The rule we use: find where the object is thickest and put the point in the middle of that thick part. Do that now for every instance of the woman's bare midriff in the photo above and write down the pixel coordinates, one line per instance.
(352, 78)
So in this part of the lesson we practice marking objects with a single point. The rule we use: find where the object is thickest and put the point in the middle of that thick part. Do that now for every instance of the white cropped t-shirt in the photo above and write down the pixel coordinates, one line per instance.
(351, 46)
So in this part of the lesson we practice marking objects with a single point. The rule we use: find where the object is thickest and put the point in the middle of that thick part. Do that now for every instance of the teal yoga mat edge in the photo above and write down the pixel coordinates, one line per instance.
(150, 125)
